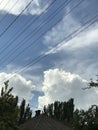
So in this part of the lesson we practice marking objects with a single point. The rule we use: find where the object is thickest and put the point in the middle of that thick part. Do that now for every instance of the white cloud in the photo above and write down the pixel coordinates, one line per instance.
(36, 7)
(67, 25)
(85, 39)
(82, 53)
(21, 87)
(59, 35)
(62, 85)
(79, 54)
(82, 46)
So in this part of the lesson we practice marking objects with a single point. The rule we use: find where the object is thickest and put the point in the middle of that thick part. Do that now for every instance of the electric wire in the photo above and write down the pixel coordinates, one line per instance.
(1, 2)
(42, 56)
(73, 35)
(41, 34)
(80, 30)
(29, 39)
(6, 4)
(30, 35)
(9, 26)
(10, 42)
(5, 16)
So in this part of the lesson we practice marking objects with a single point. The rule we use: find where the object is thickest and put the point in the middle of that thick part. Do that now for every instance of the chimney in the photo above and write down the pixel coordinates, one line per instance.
(37, 113)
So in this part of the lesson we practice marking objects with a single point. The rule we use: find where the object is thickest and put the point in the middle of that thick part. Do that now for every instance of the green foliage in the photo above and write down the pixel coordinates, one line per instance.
(80, 119)
(10, 113)
(62, 111)
(8, 109)
(86, 120)
(28, 113)
(25, 112)
(22, 111)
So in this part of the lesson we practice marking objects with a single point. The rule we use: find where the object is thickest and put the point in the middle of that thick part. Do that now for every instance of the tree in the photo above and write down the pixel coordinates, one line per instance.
(86, 120)
(45, 110)
(56, 110)
(70, 109)
(28, 113)
(8, 109)
(25, 112)
(22, 111)
(62, 111)
(92, 84)
(11, 114)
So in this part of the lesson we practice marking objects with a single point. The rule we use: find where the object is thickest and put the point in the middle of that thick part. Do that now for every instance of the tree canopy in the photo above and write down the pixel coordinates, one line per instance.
(11, 114)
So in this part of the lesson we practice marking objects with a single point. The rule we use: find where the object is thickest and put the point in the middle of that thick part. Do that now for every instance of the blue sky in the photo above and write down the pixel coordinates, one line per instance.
(51, 48)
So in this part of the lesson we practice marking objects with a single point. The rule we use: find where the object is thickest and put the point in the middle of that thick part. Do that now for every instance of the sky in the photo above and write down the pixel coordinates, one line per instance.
(48, 50)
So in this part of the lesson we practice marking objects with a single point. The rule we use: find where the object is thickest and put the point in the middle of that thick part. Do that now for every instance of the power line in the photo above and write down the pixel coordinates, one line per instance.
(25, 29)
(40, 33)
(30, 35)
(42, 56)
(77, 32)
(5, 5)
(1, 2)
(87, 24)
(14, 4)
(53, 16)
(8, 27)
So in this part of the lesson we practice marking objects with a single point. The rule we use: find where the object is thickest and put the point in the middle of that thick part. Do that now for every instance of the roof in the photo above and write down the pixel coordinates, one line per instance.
(43, 122)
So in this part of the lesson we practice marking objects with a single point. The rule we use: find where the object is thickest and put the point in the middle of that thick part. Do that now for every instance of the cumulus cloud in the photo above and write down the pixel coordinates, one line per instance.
(16, 6)
(62, 85)
(21, 87)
